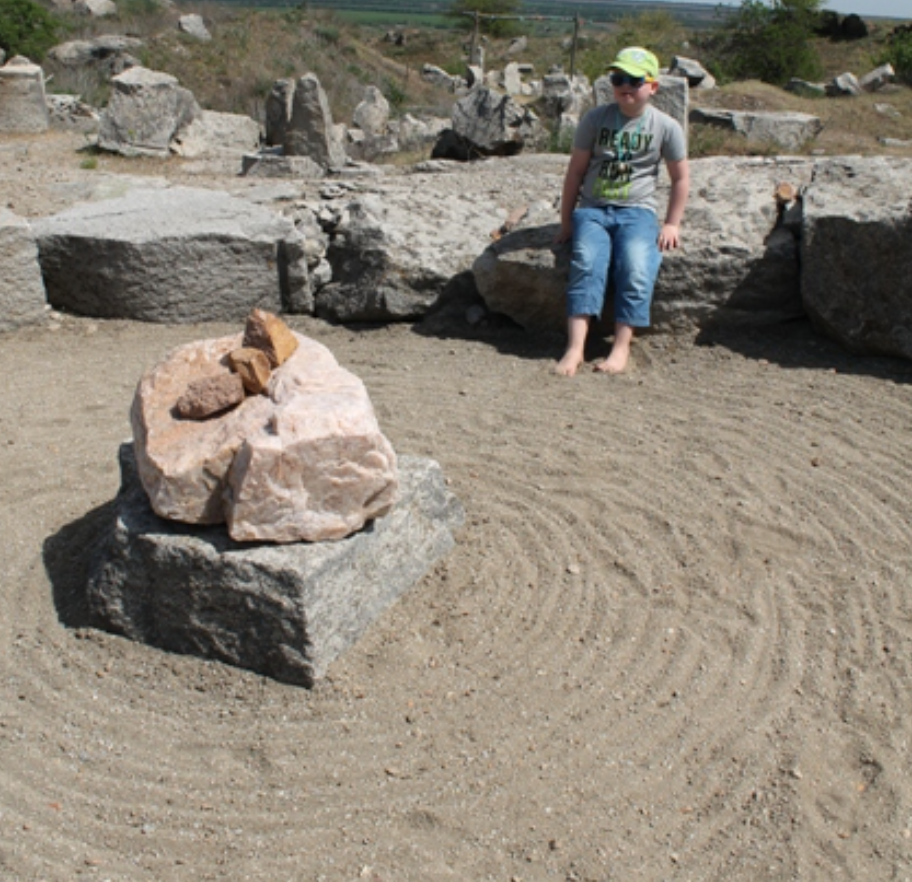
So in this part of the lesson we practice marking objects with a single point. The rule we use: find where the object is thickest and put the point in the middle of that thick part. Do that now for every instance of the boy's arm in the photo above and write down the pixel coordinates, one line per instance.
(670, 236)
(573, 181)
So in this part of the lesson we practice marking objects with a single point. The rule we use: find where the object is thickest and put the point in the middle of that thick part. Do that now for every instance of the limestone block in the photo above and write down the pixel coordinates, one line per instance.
(22, 296)
(145, 111)
(855, 256)
(305, 461)
(212, 133)
(22, 97)
(175, 254)
(284, 611)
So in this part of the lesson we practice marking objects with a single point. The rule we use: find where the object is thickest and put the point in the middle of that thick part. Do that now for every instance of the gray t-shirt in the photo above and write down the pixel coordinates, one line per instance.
(626, 154)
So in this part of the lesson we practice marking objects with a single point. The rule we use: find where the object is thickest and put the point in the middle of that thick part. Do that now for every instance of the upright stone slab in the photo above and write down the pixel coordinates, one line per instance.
(309, 131)
(173, 255)
(22, 97)
(282, 611)
(22, 298)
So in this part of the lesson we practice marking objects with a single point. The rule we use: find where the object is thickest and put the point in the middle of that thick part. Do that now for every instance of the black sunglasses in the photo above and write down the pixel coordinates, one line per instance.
(623, 79)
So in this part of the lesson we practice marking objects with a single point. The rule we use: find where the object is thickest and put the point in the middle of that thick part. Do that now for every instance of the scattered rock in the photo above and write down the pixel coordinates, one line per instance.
(208, 396)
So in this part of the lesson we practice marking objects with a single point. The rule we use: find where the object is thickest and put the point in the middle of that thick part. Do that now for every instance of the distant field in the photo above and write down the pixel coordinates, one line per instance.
(433, 12)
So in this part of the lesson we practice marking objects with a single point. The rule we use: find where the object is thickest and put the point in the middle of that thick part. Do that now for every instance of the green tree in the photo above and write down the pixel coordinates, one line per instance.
(26, 29)
(768, 41)
(497, 27)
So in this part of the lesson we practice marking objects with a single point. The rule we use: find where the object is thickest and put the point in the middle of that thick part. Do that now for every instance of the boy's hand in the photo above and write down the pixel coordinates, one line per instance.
(565, 234)
(669, 237)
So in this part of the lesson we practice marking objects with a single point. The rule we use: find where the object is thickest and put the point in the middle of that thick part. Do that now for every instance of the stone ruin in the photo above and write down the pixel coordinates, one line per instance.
(263, 519)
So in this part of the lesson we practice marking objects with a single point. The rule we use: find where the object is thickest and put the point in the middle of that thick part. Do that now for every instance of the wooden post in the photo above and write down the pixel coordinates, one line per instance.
(474, 41)
(576, 26)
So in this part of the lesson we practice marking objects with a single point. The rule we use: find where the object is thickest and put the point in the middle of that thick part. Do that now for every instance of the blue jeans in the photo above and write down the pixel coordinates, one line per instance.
(624, 240)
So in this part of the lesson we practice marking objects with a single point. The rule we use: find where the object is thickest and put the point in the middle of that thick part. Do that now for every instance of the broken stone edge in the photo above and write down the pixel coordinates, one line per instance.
(283, 611)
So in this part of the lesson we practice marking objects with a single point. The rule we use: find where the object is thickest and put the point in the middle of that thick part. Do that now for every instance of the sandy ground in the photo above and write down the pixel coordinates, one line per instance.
(673, 642)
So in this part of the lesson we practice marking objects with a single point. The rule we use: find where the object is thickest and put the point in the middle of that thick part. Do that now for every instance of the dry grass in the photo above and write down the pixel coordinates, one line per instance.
(250, 50)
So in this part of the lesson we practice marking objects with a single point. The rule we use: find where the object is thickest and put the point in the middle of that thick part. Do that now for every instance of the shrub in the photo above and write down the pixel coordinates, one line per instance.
(26, 29)
(771, 43)
(899, 54)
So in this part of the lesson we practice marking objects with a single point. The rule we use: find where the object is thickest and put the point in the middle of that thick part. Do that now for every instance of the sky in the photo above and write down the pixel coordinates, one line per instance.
(900, 9)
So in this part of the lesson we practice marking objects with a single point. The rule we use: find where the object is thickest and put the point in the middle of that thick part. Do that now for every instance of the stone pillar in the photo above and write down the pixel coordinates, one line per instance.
(22, 98)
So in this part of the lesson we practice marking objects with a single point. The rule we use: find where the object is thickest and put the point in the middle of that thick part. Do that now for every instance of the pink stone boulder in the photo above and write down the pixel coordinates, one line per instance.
(306, 460)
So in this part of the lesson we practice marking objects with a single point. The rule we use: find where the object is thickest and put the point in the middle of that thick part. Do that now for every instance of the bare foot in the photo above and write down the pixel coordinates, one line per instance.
(616, 363)
(569, 364)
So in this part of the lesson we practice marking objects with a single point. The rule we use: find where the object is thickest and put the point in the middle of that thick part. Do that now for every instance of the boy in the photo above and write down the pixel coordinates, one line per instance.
(612, 172)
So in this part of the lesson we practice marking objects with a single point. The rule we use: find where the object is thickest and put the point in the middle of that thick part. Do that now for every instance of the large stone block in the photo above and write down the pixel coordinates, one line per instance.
(283, 611)
(173, 255)
(856, 263)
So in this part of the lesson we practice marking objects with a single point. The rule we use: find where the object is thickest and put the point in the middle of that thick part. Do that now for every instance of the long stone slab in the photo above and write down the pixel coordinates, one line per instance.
(284, 611)
(173, 255)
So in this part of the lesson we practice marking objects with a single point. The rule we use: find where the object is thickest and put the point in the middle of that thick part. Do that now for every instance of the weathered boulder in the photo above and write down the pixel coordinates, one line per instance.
(273, 164)
(738, 264)
(309, 129)
(172, 255)
(304, 461)
(696, 75)
(145, 111)
(213, 133)
(392, 255)
(22, 97)
(284, 611)
(563, 94)
(495, 124)
(436, 76)
(22, 297)
(95, 8)
(876, 79)
(108, 49)
(843, 85)
(372, 115)
(855, 257)
(193, 25)
(68, 112)
(786, 129)
(413, 133)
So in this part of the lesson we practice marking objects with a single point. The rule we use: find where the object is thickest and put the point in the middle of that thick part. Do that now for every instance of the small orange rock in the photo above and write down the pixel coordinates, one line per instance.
(270, 334)
(252, 366)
